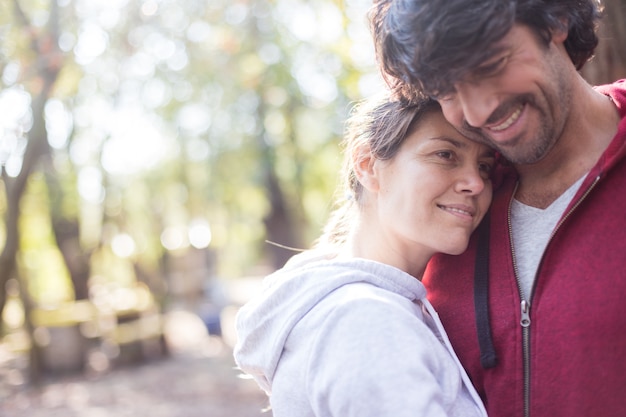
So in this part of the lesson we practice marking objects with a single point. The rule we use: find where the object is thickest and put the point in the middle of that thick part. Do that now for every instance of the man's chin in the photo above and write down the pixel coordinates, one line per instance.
(517, 156)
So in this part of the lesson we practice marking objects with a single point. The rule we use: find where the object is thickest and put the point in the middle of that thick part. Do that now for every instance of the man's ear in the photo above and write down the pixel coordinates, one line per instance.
(364, 166)
(559, 34)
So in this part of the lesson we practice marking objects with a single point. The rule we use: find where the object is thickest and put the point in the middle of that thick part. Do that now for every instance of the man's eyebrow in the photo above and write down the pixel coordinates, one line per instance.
(498, 48)
(497, 51)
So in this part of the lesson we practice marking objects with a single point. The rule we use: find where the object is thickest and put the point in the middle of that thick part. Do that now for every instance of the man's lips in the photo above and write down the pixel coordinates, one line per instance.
(508, 121)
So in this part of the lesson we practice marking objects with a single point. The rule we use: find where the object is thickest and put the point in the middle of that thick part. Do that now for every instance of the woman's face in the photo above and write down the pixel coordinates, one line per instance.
(431, 196)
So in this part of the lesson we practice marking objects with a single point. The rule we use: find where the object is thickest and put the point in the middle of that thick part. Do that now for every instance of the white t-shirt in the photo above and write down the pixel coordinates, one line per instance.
(532, 228)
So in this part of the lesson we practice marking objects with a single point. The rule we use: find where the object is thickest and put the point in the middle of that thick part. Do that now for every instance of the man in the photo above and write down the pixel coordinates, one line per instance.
(536, 308)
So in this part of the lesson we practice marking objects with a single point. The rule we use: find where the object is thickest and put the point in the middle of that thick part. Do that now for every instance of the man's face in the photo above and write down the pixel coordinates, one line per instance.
(518, 100)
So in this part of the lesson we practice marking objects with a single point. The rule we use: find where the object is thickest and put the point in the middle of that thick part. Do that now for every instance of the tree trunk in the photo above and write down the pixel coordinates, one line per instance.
(279, 224)
(66, 231)
(609, 63)
(67, 235)
(15, 187)
(47, 64)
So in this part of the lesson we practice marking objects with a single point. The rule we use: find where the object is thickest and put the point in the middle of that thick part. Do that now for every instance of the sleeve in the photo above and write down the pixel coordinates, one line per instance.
(375, 357)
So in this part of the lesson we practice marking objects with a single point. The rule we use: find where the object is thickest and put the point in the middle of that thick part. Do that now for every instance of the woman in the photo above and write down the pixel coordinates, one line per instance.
(345, 329)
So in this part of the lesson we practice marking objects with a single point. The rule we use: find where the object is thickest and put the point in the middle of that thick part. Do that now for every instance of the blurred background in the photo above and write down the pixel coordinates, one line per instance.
(158, 157)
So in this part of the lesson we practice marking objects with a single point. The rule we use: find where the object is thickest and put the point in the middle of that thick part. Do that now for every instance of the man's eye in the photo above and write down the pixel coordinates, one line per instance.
(444, 95)
(492, 67)
(446, 98)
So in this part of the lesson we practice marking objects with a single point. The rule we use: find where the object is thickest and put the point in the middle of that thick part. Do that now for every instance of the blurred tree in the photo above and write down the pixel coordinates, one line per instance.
(42, 59)
(169, 119)
(164, 127)
(609, 63)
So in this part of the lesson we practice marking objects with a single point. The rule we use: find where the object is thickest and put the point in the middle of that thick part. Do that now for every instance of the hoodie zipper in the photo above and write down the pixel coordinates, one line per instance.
(525, 318)
(525, 304)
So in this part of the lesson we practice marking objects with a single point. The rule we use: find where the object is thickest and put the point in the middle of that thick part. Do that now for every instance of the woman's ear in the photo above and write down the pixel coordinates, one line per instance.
(363, 163)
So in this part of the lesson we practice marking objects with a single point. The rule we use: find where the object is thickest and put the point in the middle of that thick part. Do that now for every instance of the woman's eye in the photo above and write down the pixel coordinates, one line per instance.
(485, 168)
(448, 155)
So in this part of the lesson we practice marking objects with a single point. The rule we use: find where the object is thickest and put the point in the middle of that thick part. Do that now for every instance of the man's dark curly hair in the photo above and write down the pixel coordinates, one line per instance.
(425, 46)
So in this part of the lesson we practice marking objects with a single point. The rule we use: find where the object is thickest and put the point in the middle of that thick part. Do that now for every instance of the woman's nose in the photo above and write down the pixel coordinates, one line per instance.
(471, 181)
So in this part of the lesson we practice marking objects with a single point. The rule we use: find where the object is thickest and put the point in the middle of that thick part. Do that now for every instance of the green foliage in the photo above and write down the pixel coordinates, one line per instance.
(178, 111)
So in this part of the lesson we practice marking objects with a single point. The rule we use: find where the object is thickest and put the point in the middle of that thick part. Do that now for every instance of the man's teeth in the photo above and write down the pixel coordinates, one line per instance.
(508, 122)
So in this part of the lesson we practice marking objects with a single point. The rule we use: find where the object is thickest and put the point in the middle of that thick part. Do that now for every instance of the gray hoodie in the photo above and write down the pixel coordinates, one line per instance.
(344, 338)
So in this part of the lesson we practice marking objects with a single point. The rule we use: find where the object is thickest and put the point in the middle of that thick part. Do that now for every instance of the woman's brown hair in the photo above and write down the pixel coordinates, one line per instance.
(379, 126)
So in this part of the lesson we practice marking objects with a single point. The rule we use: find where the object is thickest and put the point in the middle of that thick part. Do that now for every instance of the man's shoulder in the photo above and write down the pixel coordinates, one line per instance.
(617, 91)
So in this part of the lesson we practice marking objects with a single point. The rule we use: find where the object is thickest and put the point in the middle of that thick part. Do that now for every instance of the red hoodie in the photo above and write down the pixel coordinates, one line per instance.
(571, 359)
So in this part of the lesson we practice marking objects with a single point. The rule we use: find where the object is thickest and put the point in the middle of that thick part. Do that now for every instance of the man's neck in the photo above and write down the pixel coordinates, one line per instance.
(591, 127)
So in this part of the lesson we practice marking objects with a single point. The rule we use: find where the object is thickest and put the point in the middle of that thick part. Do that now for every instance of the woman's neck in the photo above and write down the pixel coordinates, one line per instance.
(368, 241)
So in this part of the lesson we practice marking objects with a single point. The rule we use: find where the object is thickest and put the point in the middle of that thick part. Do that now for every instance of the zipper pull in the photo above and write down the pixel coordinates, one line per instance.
(525, 320)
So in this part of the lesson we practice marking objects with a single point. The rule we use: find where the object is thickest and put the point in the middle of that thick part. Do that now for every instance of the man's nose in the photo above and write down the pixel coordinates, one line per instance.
(472, 104)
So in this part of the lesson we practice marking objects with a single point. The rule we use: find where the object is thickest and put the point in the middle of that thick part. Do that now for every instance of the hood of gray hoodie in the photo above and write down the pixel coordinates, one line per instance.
(264, 323)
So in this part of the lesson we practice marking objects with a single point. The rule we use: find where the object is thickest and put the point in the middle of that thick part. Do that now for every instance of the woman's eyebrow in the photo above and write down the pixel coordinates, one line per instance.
(489, 153)
(449, 140)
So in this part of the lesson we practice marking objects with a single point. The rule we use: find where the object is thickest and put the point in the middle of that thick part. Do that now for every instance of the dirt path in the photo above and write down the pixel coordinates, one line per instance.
(189, 384)
(198, 379)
